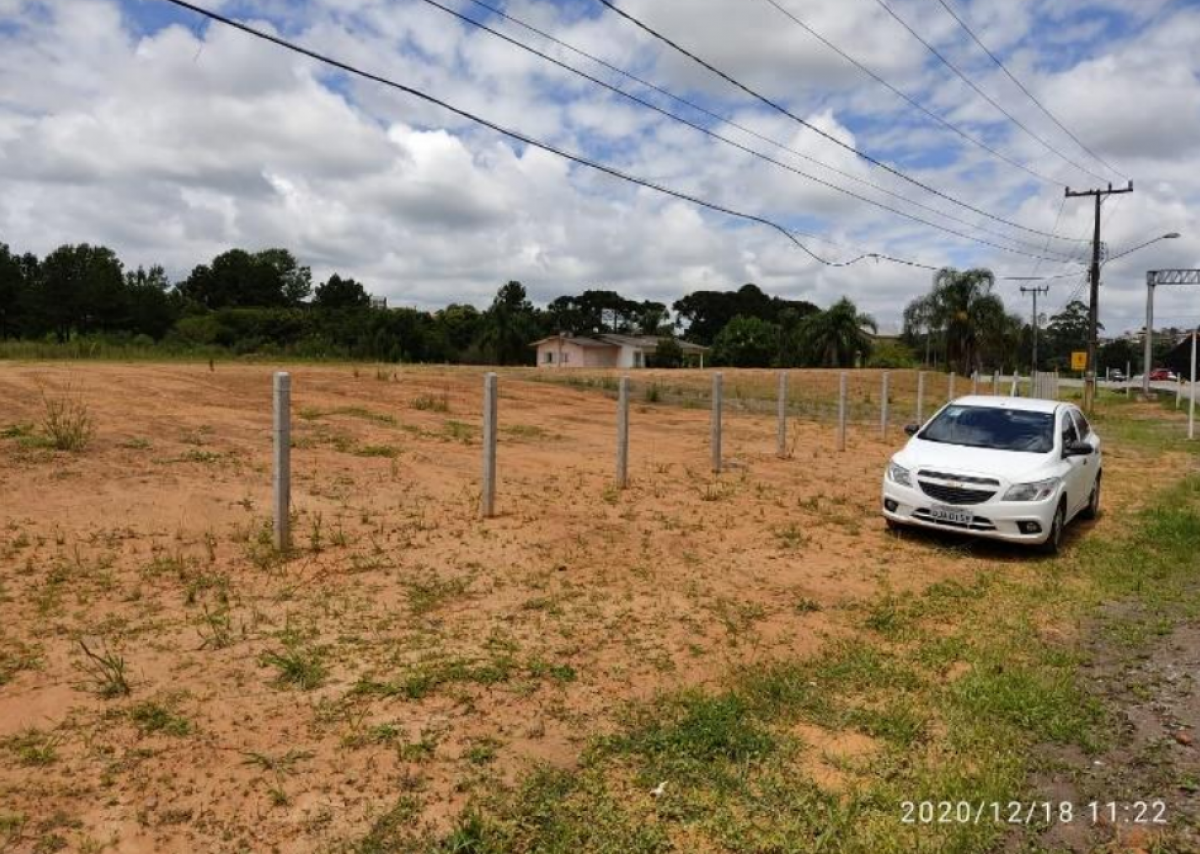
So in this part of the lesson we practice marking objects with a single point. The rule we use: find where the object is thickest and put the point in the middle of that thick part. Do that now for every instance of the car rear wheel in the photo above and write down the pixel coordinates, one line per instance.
(1053, 540)
(1093, 506)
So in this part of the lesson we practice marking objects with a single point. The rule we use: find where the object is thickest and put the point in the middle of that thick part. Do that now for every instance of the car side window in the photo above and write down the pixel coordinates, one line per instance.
(1069, 433)
(1085, 429)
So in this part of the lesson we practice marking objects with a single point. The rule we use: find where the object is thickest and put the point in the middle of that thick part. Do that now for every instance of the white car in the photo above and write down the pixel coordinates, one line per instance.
(1004, 468)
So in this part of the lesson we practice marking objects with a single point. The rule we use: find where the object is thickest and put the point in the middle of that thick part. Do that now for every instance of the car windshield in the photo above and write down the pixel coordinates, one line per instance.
(992, 427)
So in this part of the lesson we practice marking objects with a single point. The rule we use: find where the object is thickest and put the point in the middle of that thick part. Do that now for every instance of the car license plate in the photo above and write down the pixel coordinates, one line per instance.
(956, 515)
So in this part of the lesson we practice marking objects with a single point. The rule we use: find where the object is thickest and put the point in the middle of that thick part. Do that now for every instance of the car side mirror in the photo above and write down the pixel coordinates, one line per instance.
(911, 429)
(1078, 449)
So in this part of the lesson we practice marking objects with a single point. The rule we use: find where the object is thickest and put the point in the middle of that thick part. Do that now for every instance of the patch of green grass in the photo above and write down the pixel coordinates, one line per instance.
(458, 431)
(152, 717)
(16, 656)
(791, 537)
(482, 751)
(365, 414)
(530, 432)
(432, 403)
(16, 431)
(33, 747)
(298, 664)
(432, 592)
(198, 456)
(387, 451)
(395, 830)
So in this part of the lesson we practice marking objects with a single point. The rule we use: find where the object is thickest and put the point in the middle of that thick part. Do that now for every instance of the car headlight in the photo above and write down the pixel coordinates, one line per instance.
(1039, 490)
(899, 474)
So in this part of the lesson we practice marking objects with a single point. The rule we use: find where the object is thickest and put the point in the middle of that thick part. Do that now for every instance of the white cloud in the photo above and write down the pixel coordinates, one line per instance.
(171, 147)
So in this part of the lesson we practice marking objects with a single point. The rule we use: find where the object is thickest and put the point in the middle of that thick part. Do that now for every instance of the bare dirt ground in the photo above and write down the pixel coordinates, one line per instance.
(1149, 778)
(404, 646)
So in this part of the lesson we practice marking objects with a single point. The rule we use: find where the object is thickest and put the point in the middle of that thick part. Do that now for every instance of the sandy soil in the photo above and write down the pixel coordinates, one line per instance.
(447, 652)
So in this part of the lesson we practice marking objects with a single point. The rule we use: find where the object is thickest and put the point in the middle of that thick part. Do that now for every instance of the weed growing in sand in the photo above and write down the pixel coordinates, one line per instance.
(299, 665)
(215, 628)
(281, 766)
(66, 421)
(151, 717)
(432, 403)
(315, 541)
(15, 656)
(387, 451)
(16, 431)
(790, 537)
(107, 671)
(805, 605)
(429, 594)
(458, 431)
(33, 747)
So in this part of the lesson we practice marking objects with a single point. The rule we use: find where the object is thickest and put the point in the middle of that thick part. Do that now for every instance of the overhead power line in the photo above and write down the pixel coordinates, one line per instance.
(1029, 94)
(828, 136)
(758, 154)
(958, 73)
(941, 120)
(528, 140)
(692, 105)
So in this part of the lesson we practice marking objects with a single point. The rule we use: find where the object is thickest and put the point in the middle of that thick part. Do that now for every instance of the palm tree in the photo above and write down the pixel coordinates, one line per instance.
(918, 325)
(837, 337)
(968, 313)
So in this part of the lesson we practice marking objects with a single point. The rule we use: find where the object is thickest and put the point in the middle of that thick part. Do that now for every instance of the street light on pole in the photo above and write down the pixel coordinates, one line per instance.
(1148, 343)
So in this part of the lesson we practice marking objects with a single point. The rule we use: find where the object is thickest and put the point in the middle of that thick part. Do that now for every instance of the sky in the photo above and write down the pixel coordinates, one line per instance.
(144, 127)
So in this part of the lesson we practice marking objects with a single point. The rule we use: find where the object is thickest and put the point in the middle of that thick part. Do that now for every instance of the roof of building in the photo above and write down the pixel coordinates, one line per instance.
(642, 342)
(577, 340)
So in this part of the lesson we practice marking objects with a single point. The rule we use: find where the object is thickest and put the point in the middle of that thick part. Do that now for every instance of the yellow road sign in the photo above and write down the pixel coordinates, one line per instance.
(1079, 360)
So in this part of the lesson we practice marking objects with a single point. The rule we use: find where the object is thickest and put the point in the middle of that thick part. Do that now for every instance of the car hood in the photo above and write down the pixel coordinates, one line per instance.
(1010, 466)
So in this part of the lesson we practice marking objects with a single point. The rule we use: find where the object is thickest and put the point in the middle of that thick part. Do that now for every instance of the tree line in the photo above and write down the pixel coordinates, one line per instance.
(265, 302)
(963, 325)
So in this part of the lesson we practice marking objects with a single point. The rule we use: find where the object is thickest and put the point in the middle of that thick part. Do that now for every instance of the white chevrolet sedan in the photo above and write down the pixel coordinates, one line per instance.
(1004, 468)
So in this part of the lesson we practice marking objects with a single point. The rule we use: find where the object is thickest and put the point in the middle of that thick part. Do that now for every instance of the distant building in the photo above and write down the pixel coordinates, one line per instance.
(379, 302)
(606, 351)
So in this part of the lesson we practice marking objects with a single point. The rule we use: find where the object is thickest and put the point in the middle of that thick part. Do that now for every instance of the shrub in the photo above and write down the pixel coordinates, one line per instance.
(67, 422)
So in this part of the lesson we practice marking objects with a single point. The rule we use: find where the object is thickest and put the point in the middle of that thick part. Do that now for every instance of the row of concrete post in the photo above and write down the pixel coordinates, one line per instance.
(487, 505)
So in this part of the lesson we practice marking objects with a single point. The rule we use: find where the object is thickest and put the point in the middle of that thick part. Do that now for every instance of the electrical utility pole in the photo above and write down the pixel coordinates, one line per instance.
(1089, 385)
(1044, 289)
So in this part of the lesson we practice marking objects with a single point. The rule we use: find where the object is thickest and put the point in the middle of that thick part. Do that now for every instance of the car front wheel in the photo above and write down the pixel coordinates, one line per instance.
(1093, 506)
(1053, 539)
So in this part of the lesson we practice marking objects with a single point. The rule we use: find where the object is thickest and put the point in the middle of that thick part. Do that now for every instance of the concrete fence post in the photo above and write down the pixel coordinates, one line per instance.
(623, 433)
(1016, 388)
(920, 397)
(781, 417)
(974, 382)
(283, 461)
(950, 387)
(883, 407)
(1128, 379)
(996, 382)
(487, 501)
(1192, 393)
(841, 428)
(715, 426)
